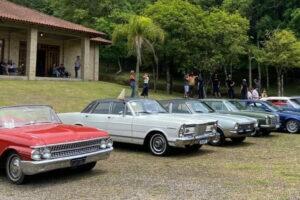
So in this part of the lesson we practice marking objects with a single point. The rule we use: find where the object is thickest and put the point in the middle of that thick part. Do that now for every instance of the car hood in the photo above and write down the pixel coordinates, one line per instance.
(48, 134)
(228, 117)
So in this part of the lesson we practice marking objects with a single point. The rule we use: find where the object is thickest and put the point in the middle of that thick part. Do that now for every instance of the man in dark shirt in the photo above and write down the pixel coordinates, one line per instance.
(216, 86)
(230, 86)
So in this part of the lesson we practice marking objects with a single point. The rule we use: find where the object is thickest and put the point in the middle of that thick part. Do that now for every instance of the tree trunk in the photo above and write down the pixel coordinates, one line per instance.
(138, 42)
(231, 70)
(225, 71)
(168, 79)
(250, 71)
(154, 77)
(259, 75)
(279, 82)
(282, 84)
(268, 79)
(120, 67)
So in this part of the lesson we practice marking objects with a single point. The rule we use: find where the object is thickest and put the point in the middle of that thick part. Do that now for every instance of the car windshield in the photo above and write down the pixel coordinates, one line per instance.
(232, 107)
(146, 107)
(238, 105)
(270, 106)
(296, 102)
(19, 116)
(199, 107)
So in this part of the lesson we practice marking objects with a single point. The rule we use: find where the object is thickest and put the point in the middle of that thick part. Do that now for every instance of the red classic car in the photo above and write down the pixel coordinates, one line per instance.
(33, 140)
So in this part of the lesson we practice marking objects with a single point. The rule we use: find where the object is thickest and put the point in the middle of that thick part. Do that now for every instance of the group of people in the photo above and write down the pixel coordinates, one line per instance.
(60, 71)
(8, 68)
(132, 83)
(195, 84)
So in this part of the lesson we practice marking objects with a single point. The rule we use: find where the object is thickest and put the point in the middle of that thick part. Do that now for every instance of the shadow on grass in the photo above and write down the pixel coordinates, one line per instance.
(58, 176)
(231, 144)
(175, 152)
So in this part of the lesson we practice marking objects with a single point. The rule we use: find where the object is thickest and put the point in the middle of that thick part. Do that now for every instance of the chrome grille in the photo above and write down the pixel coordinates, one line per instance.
(76, 148)
(273, 120)
(246, 126)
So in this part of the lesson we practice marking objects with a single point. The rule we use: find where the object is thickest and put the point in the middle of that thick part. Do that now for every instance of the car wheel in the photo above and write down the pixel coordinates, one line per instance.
(86, 167)
(238, 140)
(194, 148)
(158, 145)
(292, 126)
(13, 169)
(218, 140)
(265, 132)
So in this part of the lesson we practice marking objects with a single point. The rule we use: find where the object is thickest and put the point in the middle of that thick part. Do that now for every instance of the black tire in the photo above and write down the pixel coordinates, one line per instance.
(238, 140)
(13, 170)
(158, 145)
(256, 133)
(265, 132)
(86, 167)
(219, 140)
(292, 126)
(193, 148)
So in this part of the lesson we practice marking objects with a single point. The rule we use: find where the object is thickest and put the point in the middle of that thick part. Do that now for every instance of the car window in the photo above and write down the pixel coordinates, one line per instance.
(216, 105)
(180, 108)
(118, 108)
(165, 105)
(102, 108)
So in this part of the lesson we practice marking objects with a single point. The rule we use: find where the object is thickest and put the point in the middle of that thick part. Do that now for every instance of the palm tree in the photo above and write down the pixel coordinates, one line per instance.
(140, 32)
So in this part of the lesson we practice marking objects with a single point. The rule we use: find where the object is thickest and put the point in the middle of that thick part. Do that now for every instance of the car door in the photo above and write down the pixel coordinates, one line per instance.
(120, 122)
(98, 117)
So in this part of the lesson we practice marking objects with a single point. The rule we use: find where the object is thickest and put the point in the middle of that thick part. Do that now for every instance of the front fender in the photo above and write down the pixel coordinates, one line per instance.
(23, 152)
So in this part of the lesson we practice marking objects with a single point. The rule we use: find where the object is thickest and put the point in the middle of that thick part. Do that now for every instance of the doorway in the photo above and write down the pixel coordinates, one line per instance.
(47, 57)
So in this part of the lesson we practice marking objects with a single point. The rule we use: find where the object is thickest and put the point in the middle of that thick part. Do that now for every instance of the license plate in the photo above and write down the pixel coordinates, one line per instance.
(78, 161)
(203, 141)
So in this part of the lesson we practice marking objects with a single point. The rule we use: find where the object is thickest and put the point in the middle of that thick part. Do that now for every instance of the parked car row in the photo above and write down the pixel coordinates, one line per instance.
(34, 139)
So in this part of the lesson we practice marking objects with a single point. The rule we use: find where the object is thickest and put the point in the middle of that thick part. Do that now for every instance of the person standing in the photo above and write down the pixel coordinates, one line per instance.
(191, 84)
(145, 85)
(200, 88)
(264, 94)
(244, 89)
(132, 83)
(230, 86)
(257, 85)
(249, 94)
(216, 86)
(186, 86)
(77, 66)
(255, 94)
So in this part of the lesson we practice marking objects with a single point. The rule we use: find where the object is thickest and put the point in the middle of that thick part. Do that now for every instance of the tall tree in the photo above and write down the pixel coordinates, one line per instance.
(140, 32)
(282, 50)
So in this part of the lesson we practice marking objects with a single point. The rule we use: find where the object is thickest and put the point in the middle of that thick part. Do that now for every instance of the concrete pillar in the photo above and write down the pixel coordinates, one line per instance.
(96, 62)
(86, 71)
(32, 37)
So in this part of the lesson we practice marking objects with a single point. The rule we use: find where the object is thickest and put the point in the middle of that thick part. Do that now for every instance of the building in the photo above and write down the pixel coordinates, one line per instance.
(35, 42)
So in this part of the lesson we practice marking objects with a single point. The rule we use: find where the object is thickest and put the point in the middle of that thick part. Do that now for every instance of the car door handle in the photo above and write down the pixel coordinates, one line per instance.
(86, 116)
(109, 117)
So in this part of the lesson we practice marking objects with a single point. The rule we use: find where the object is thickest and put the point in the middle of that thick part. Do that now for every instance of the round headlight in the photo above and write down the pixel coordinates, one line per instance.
(182, 130)
(46, 154)
(109, 143)
(36, 155)
(102, 144)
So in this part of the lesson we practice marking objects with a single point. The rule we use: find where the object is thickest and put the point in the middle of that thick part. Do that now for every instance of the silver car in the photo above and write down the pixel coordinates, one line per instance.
(144, 122)
(237, 128)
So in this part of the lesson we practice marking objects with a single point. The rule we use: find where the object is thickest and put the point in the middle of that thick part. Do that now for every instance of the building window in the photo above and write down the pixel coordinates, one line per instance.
(1, 50)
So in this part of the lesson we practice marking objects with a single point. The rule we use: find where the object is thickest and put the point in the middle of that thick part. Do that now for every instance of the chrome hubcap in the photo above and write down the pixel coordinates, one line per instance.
(292, 126)
(216, 139)
(158, 144)
(14, 168)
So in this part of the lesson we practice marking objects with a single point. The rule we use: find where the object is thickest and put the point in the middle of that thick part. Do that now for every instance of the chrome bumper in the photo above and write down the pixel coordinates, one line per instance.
(240, 133)
(191, 140)
(36, 167)
(269, 126)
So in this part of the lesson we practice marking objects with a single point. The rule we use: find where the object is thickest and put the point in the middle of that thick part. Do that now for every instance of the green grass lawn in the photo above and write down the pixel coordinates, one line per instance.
(260, 168)
(64, 96)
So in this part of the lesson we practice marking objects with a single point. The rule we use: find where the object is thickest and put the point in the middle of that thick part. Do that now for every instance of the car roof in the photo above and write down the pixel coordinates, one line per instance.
(277, 98)
(121, 100)
(28, 105)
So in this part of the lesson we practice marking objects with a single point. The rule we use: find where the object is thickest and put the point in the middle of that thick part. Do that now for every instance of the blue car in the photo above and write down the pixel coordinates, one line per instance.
(290, 121)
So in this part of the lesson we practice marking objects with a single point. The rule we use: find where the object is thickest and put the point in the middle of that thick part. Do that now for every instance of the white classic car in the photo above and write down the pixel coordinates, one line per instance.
(144, 122)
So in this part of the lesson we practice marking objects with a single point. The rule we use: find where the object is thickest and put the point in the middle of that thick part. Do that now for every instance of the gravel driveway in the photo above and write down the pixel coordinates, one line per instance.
(261, 168)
